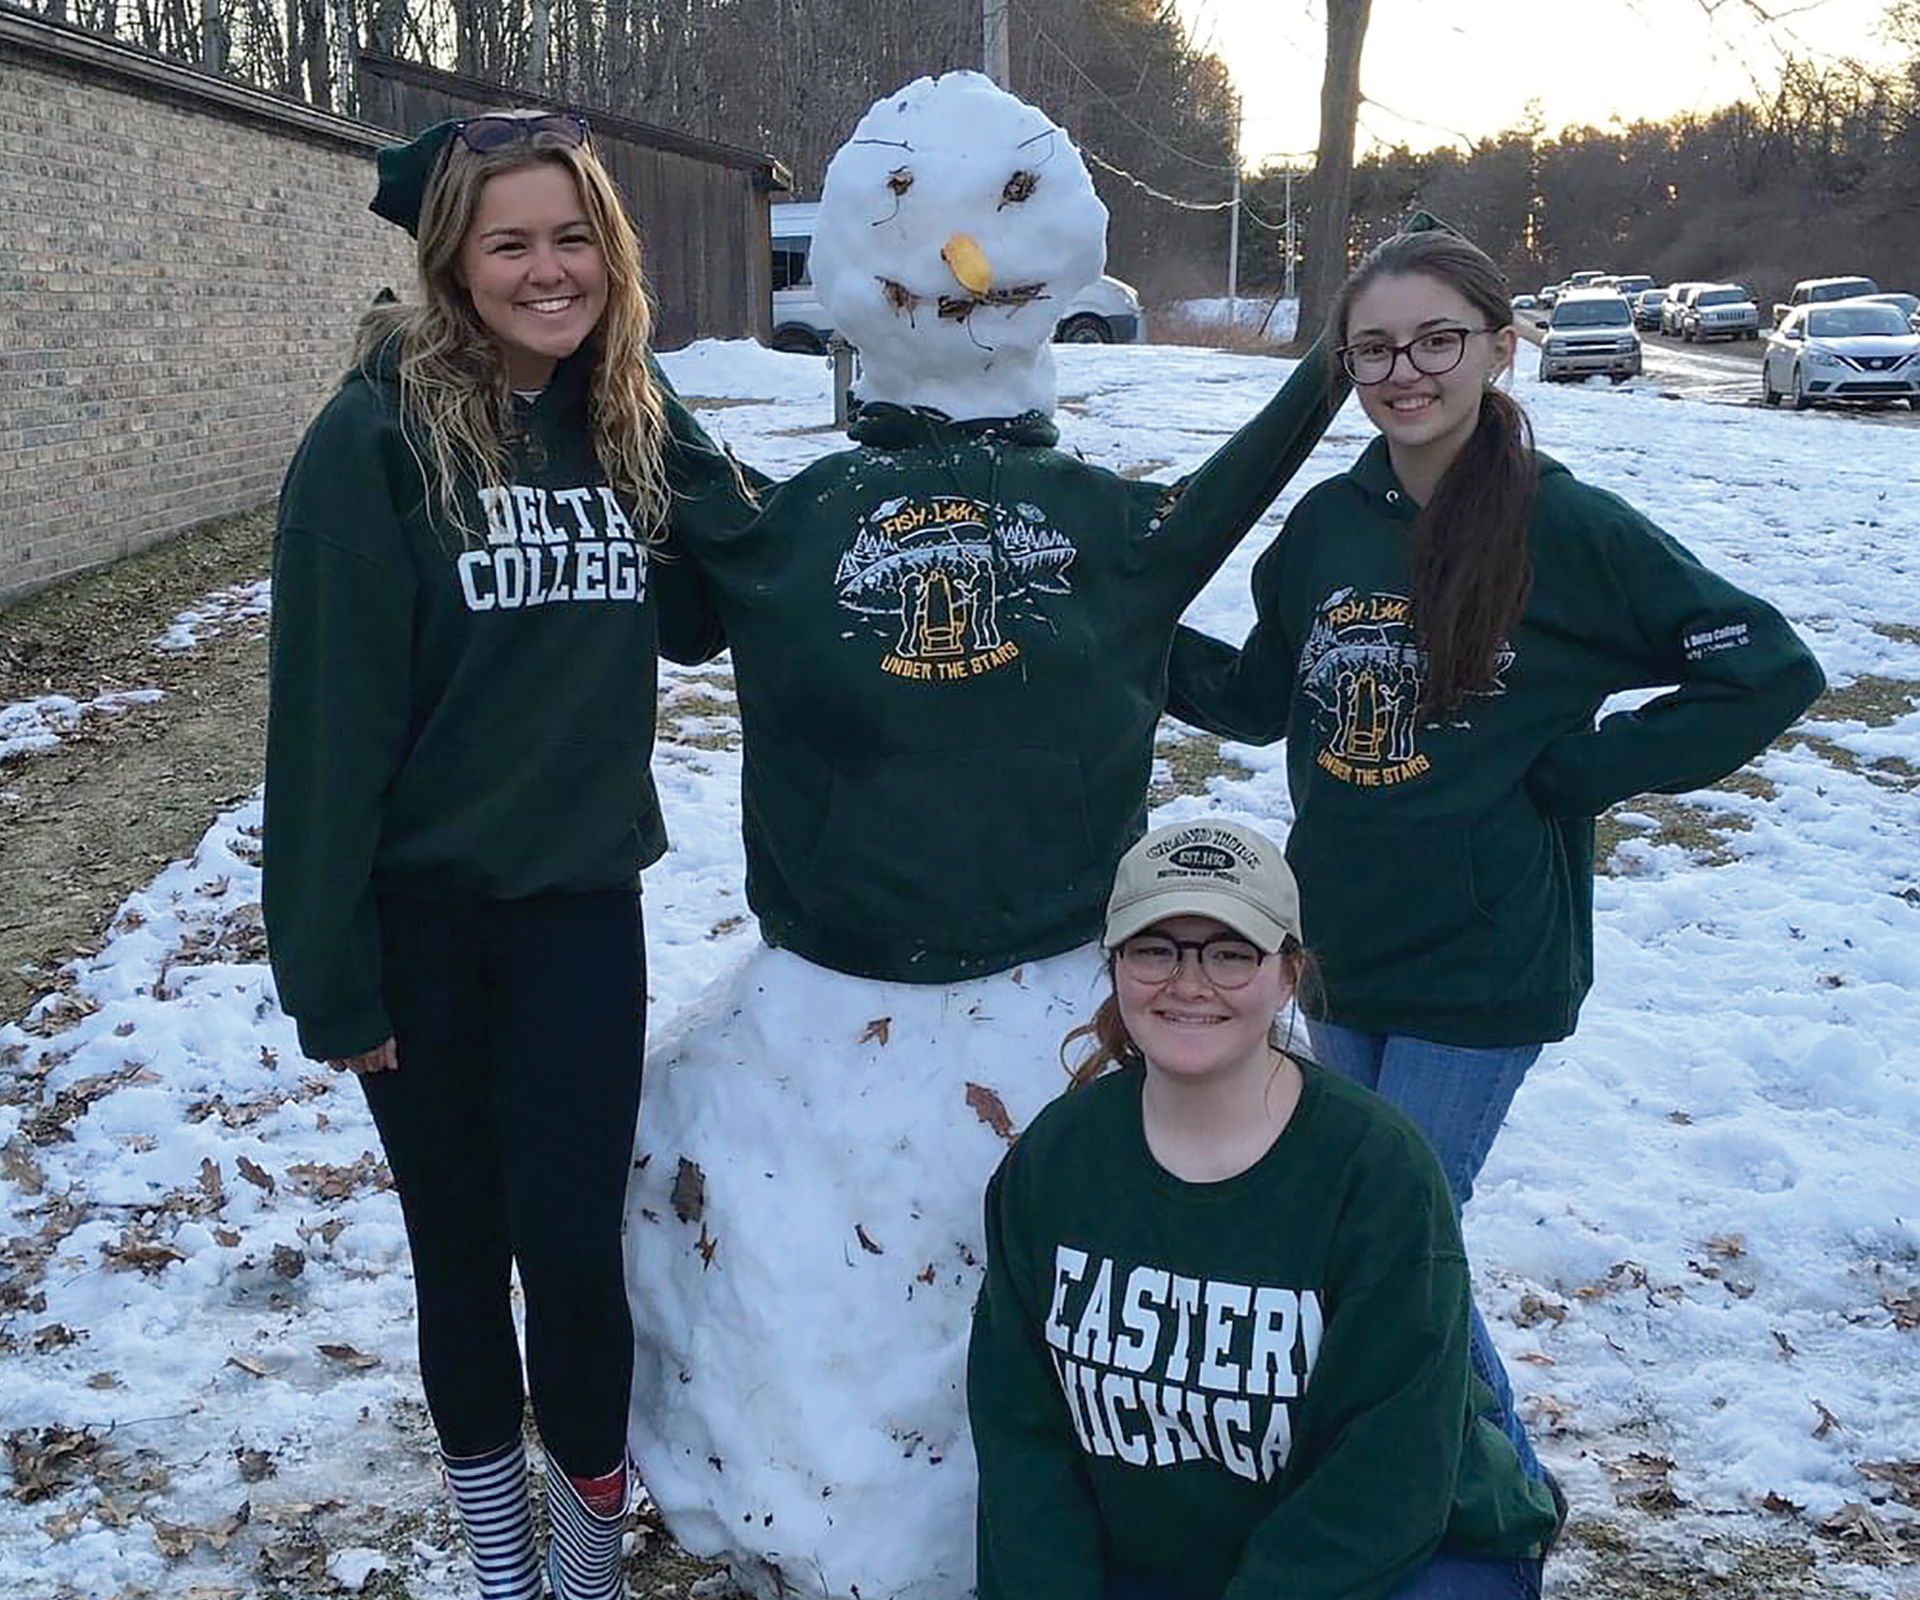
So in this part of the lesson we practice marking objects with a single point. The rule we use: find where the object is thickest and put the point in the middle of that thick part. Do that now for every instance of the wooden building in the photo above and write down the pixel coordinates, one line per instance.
(701, 207)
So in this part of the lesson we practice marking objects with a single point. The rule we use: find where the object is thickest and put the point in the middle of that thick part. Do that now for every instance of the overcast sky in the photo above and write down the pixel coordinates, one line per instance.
(1437, 68)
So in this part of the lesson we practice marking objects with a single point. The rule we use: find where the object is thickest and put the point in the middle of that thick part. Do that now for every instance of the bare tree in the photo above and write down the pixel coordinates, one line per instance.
(1330, 193)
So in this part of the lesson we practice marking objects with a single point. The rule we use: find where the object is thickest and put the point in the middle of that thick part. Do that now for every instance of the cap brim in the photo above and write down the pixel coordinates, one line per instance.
(1229, 910)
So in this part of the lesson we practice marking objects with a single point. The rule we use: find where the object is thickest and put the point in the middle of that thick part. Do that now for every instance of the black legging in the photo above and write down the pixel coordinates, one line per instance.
(509, 1130)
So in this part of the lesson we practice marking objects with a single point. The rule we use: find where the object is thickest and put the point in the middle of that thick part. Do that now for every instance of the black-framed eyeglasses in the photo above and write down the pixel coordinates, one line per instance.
(1226, 960)
(1435, 352)
(492, 132)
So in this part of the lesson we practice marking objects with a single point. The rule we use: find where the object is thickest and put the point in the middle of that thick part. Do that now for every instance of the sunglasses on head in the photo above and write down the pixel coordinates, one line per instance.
(484, 134)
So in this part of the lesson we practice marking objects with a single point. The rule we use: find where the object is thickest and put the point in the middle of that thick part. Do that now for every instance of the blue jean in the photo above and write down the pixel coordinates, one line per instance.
(1446, 1577)
(1458, 1097)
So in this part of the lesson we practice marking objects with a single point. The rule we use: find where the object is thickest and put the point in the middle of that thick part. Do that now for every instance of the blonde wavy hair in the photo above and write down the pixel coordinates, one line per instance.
(455, 399)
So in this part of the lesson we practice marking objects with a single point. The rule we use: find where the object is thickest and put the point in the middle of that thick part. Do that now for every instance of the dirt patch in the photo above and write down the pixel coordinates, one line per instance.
(87, 822)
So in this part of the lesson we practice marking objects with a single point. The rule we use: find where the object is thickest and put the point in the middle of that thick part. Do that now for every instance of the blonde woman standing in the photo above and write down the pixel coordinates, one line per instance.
(468, 596)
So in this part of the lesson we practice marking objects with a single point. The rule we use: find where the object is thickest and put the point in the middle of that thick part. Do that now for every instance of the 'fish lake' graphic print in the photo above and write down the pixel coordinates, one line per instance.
(1364, 672)
(939, 579)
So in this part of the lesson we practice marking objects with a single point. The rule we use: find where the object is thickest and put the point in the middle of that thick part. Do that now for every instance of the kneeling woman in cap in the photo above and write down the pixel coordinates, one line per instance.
(1222, 1345)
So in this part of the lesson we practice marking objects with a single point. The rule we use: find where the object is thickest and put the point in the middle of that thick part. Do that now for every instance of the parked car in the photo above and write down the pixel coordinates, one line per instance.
(1675, 305)
(1107, 311)
(1845, 350)
(1525, 302)
(1812, 291)
(1906, 304)
(1720, 311)
(1591, 331)
(1646, 308)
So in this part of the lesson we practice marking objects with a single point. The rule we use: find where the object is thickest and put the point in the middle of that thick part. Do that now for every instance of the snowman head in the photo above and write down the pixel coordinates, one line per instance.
(954, 227)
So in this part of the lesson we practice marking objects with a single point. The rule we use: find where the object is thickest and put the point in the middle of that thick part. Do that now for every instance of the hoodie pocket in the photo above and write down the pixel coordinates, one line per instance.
(1453, 911)
(955, 850)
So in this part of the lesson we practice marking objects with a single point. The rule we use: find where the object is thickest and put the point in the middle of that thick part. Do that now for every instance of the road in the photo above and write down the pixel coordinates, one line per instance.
(1726, 372)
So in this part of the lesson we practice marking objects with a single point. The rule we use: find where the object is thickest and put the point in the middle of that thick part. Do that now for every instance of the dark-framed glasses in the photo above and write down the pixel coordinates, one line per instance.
(1437, 351)
(1226, 960)
(491, 132)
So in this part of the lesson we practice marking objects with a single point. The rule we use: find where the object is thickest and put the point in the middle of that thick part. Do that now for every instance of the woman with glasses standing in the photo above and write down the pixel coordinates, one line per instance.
(469, 587)
(1436, 630)
(1222, 1343)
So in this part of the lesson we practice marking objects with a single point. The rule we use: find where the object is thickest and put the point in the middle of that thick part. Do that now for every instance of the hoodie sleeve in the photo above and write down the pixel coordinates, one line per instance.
(1038, 1526)
(338, 694)
(1378, 1446)
(689, 625)
(1742, 674)
(1198, 521)
(1242, 694)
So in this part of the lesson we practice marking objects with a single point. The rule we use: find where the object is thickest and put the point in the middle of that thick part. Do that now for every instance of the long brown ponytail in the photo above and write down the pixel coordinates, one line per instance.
(1469, 557)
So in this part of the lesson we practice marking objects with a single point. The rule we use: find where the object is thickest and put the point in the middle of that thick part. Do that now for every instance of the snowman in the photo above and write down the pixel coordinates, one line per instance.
(949, 643)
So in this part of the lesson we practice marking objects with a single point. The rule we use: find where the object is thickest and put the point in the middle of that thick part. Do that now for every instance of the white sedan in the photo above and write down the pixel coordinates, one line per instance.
(1842, 351)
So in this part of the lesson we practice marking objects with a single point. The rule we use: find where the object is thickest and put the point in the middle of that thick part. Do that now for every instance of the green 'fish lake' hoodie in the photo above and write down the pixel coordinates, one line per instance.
(1256, 1389)
(950, 651)
(1445, 865)
(453, 716)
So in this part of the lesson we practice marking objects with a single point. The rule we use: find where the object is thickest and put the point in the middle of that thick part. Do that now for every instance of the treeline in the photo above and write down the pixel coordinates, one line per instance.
(789, 77)
(1820, 178)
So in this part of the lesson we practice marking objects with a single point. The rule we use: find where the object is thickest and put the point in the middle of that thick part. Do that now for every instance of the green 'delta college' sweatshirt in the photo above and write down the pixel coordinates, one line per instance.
(453, 715)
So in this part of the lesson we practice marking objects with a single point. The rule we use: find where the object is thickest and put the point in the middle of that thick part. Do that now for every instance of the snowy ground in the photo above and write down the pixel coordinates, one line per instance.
(1698, 1239)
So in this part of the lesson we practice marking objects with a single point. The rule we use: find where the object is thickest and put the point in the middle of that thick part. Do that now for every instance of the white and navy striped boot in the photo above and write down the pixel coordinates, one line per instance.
(585, 1520)
(490, 1493)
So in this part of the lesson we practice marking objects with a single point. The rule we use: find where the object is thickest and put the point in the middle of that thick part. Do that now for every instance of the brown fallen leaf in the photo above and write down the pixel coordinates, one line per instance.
(103, 1380)
(1828, 1421)
(689, 1193)
(1728, 1246)
(287, 1262)
(1535, 1358)
(247, 1364)
(875, 1031)
(1855, 1521)
(991, 1110)
(347, 1356)
(1787, 1350)
(225, 1237)
(254, 1464)
(175, 1540)
(1905, 1309)
(926, 1275)
(62, 1525)
(1535, 1310)
(866, 1241)
(255, 1174)
(1901, 1477)
(1780, 1505)
(210, 1182)
(706, 1244)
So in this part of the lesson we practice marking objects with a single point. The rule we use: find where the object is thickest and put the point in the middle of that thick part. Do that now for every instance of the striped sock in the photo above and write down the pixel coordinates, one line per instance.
(490, 1493)
(583, 1546)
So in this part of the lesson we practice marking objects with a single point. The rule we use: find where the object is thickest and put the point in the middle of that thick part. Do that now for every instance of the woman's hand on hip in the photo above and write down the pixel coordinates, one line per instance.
(381, 1058)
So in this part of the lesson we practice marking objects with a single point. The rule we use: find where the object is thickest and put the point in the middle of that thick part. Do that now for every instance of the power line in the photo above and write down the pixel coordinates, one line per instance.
(1161, 195)
(1092, 83)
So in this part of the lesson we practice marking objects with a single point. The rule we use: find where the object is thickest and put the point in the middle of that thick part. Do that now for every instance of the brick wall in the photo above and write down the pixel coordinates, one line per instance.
(182, 261)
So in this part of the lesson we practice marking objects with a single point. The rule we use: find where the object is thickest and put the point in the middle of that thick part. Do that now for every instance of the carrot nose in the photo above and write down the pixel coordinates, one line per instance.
(968, 263)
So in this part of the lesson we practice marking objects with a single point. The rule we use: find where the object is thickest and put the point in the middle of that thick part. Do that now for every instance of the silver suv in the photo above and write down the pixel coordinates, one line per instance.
(1591, 331)
(1720, 311)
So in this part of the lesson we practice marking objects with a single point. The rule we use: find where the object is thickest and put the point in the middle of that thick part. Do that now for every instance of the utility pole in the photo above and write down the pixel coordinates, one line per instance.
(1233, 231)
(1288, 291)
(993, 19)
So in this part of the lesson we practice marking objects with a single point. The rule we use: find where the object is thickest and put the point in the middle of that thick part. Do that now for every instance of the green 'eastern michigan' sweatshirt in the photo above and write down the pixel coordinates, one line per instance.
(454, 716)
(950, 651)
(1445, 865)
(1256, 1389)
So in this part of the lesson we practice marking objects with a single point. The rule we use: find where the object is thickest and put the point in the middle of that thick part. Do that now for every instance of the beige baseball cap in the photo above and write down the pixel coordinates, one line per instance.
(1222, 870)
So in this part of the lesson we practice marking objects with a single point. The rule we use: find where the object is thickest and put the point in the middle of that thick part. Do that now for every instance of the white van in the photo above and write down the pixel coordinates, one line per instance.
(1107, 311)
